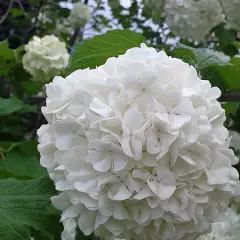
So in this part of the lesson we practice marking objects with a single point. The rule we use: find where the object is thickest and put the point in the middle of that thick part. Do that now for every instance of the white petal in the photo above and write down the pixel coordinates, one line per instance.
(86, 222)
(119, 212)
(177, 121)
(133, 119)
(64, 142)
(119, 162)
(101, 108)
(165, 191)
(105, 206)
(103, 165)
(121, 193)
(86, 186)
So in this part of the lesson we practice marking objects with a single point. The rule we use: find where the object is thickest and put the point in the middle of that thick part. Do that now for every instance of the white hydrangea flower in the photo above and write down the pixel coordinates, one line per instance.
(138, 149)
(45, 57)
(193, 19)
(69, 232)
(79, 15)
(231, 10)
(228, 229)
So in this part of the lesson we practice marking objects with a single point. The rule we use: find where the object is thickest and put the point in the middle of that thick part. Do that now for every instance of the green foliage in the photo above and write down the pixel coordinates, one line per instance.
(94, 52)
(11, 105)
(24, 205)
(199, 58)
(21, 165)
(7, 58)
(25, 193)
(221, 73)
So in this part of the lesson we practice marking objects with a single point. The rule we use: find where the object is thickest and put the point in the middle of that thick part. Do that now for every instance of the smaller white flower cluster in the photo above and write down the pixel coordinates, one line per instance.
(226, 230)
(45, 57)
(231, 9)
(79, 15)
(193, 19)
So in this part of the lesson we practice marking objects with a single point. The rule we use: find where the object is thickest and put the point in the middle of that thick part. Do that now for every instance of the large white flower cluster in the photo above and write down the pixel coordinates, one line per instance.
(138, 149)
(79, 15)
(45, 57)
(193, 19)
(231, 9)
(228, 229)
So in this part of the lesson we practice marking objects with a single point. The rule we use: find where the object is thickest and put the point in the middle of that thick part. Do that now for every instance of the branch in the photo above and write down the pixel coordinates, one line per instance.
(74, 37)
(77, 33)
(7, 12)
(230, 96)
(39, 8)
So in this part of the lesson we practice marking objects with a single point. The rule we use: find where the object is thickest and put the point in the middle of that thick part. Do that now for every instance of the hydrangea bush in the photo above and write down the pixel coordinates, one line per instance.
(136, 134)
(138, 149)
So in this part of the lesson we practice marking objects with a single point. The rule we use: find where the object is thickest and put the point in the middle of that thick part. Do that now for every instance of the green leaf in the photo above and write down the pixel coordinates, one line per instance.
(199, 58)
(230, 75)
(225, 35)
(230, 107)
(29, 148)
(219, 72)
(22, 165)
(31, 87)
(94, 52)
(6, 146)
(24, 205)
(15, 12)
(11, 105)
(235, 60)
(7, 58)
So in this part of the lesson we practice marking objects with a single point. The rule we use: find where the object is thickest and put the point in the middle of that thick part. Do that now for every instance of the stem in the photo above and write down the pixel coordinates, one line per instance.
(7, 12)
(33, 27)
(78, 32)
(230, 96)
(74, 37)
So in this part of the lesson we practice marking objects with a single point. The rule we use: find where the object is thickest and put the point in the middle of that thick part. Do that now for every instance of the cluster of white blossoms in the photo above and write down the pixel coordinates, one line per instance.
(137, 148)
(45, 57)
(193, 19)
(229, 229)
(231, 10)
(79, 15)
